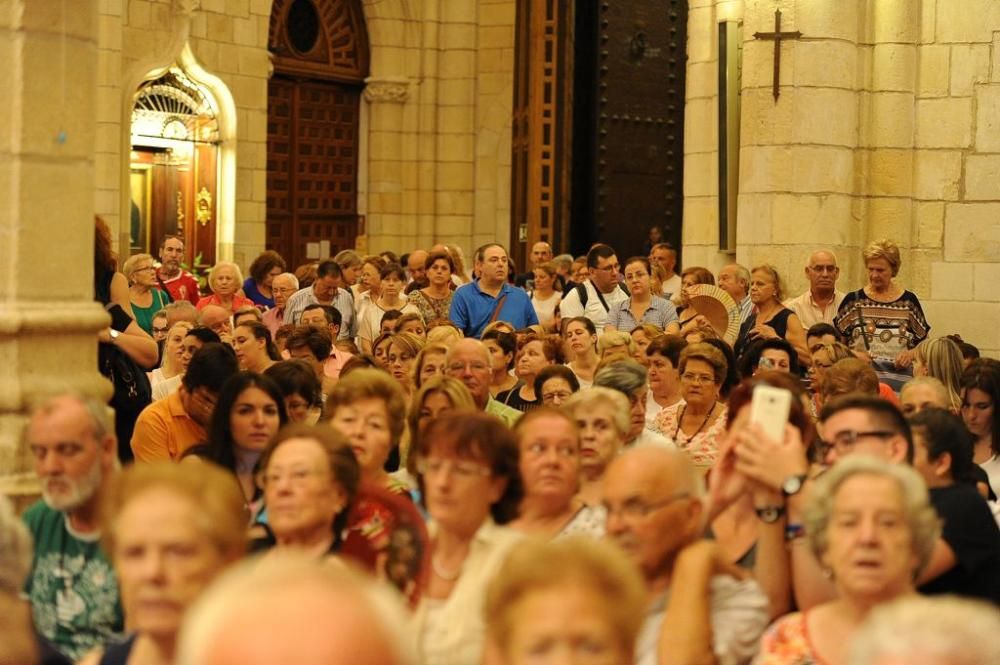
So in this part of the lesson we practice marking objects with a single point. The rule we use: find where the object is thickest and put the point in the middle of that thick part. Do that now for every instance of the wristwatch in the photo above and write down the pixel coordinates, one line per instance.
(114, 334)
(770, 514)
(792, 485)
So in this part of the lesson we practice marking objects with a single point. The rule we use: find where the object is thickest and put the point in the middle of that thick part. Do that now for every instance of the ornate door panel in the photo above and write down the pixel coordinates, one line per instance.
(320, 52)
(629, 133)
(312, 166)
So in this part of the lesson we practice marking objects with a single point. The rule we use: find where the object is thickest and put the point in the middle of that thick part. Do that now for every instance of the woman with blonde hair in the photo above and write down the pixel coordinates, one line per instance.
(941, 358)
(225, 280)
(437, 396)
(186, 523)
(145, 298)
(429, 363)
(401, 359)
(547, 593)
(173, 363)
(771, 319)
(883, 321)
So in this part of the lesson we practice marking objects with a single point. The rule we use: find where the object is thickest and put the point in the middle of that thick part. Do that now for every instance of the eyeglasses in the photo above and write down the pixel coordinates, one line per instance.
(845, 441)
(697, 378)
(609, 268)
(462, 469)
(559, 395)
(159, 331)
(294, 476)
(474, 366)
(636, 509)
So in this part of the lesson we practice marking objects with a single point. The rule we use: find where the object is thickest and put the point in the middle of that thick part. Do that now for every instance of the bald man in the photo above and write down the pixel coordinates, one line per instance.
(289, 609)
(820, 303)
(541, 252)
(704, 609)
(470, 362)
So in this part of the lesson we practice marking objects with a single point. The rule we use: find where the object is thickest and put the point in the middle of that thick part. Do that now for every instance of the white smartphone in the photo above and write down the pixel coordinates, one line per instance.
(770, 407)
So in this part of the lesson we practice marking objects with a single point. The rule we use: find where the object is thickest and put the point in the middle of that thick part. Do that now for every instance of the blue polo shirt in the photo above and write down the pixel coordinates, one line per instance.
(471, 308)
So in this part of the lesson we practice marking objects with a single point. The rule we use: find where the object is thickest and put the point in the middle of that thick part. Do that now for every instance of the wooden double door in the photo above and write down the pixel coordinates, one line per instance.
(312, 167)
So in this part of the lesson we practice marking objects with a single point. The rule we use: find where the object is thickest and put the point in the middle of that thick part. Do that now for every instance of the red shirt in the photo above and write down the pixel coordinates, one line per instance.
(182, 286)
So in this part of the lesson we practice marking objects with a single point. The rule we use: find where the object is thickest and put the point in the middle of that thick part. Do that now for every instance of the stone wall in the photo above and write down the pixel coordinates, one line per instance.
(435, 145)
(887, 126)
(439, 115)
(228, 39)
(48, 319)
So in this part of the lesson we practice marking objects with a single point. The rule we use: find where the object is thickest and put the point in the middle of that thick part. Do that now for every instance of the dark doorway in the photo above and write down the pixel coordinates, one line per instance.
(628, 123)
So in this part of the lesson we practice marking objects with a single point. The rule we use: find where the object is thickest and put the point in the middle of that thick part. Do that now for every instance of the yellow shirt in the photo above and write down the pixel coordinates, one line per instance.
(164, 431)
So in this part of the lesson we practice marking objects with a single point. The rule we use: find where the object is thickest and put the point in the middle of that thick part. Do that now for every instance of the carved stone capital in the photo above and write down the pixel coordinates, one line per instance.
(391, 89)
(186, 7)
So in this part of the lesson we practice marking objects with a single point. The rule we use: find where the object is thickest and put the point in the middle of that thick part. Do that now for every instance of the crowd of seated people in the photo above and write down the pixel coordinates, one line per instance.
(387, 459)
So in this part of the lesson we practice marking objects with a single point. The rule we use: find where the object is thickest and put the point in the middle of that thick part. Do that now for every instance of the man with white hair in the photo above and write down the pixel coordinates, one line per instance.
(703, 608)
(72, 586)
(291, 609)
(819, 304)
(282, 286)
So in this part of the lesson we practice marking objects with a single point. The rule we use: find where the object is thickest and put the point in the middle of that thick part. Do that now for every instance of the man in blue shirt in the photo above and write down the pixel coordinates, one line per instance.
(491, 298)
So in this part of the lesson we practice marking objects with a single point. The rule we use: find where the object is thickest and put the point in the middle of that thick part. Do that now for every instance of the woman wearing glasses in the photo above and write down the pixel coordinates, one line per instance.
(145, 298)
(697, 422)
(467, 469)
(642, 306)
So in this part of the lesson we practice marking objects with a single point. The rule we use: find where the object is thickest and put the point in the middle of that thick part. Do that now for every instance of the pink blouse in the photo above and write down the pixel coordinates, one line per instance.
(702, 447)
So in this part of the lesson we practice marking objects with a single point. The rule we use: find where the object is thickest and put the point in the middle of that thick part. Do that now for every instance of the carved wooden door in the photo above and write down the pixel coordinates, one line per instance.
(320, 51)
(312, 166)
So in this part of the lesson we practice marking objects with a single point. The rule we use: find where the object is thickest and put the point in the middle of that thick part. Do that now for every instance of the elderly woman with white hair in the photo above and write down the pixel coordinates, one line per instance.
(871, 526)
(225, 279)
(602, 416)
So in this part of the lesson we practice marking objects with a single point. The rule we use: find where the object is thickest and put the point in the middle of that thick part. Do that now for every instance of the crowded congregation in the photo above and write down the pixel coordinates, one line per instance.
(429, 458)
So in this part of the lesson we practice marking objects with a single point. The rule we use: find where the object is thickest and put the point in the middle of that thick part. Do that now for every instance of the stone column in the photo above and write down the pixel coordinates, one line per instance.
(797, 160)
(385, 97)
(48, 320)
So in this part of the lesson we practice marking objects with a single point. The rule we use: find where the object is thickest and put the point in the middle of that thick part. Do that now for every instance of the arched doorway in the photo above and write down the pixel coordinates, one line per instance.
(174, 164)
(320, 54)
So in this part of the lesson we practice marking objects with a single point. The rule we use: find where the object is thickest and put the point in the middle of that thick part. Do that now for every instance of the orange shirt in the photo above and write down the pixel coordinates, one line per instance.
(164, 431)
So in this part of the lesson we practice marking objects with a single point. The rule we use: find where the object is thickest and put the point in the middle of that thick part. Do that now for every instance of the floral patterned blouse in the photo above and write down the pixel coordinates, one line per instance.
(431, 309)
(786, 642)
(702, 446)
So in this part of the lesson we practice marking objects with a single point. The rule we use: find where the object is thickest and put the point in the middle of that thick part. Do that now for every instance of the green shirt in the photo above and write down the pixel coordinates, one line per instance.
(144, 315)
(72, 587)
(503, 412)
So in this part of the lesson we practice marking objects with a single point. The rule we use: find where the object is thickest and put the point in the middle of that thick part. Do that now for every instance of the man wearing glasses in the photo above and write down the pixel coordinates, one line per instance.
(703, 607)
(820, 303)
(470, 362)
(282, 287)
(602, 290)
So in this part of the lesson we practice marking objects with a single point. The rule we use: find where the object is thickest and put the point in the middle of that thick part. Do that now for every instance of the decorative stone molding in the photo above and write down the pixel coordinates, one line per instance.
(394, 90)
(186, 7)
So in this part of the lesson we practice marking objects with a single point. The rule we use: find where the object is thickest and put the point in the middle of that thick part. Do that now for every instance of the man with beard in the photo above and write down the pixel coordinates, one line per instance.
(72, 586)
(180, 284)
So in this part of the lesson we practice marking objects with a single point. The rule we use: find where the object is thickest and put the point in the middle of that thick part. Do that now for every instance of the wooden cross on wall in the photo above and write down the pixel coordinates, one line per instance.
(777, 36)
